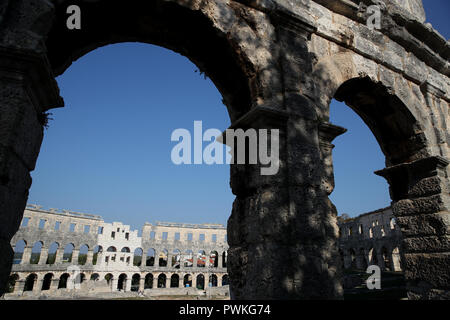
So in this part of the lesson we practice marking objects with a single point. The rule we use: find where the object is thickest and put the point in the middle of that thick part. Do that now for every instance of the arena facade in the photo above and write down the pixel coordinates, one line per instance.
(373, 238)
(61, 251)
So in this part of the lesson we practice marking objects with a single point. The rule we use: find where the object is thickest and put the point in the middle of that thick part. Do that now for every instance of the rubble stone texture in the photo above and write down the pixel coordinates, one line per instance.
(277, 64)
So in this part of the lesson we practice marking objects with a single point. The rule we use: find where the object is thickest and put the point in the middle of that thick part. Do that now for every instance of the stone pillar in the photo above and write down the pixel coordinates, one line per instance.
(127, 285)
(169, 260)
(90, 256)
(219, 262)
(194, 281)
(44, 255)
(37, 287)
(144, 259)
(59, 255)
(421, 205)
(181, 282)
(396, 262)
(155, 282)
(75, 255)
(115, 283)
(283, 228)
(168, 280)
(141, 284)
(54, 284)
(19, 285)
(26, 256)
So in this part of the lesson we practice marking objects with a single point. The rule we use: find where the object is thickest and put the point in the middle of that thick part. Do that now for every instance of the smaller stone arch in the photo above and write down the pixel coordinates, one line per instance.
(68, 253)
(151, 257)
(163, 257)
(187, 281)
(137, 257)
(135, 282)
(95, 277)
(176, 259)
(63, 280)
(36, 252)
(19, 249)
(12, 282)
(148, 283)
(201, 282)
(53, 253)
(30, 282)
(225, 280)
(125, 249)
(175, 281)
(47, 282)
(83, 254)
(201, 259)
(214, 259)
(162, 280)
(121, 283)
(213, 280)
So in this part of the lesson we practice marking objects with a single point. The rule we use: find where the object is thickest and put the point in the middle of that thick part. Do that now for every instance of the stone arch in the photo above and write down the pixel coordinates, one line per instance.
(200, 280)
(109, 277)
(63, 280)
(201, 259)
(176, 259)
(214, 259)
(225, 280)
(96, 254)
(125, 249)
(111, 249)
(188, 260)
(162, 280)
(36, 252)
(135, 281)
(148, 284)
(47, 281)
(68, 252)
(386, 255)
(163, 258)
(174, 25)
(213, 281)
(151, 257)
(174, 281)
(12, 282)
(187, 281)
(122, 281)
(95, 277)
(83, 254)
(53, 253)
(30, 282)
(137, 257)
(19, 249)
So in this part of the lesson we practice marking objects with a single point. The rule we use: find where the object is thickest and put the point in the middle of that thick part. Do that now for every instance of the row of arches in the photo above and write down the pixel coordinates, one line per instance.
(360, 259)
(37, 254)
(122, 282)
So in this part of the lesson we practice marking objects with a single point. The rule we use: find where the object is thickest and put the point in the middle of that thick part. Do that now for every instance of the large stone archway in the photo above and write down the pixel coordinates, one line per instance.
(277, 65)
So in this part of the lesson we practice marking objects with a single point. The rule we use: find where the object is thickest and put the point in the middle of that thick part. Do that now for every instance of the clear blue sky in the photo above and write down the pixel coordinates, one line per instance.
(108, 151)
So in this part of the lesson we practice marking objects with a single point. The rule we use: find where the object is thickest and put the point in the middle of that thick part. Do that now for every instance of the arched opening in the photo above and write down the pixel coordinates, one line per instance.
(352, 256)
(214, 259)
(18, 251)
(148, 284)
(225, 280)
(125, 249)
(97, 251)
(176, 258)
(63, 279)
(213, 280)
(68, 252)
(137, 257)
(109, 280)
(30, 282)
(47, 281)
(201, 282)
(135, 281)
(36, 252)
(82, 256)
(52, 253)
(150, 261)
(162, 280)
(201, 259)
(162, 261)
(12, 280)
(111, 249)
(95, 277)
(188, 259)
(175, 281)
(373, 256)
(122, 282)
(187, 281)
